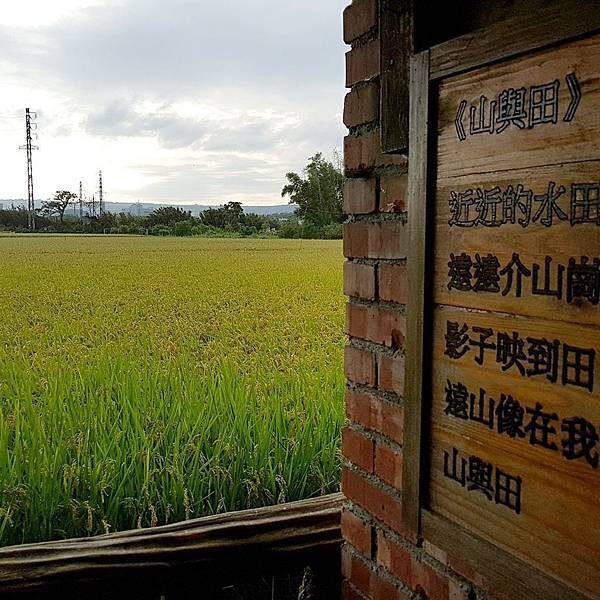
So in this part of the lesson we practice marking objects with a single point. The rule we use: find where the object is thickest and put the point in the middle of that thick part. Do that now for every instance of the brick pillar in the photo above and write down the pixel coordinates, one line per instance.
(378, 562)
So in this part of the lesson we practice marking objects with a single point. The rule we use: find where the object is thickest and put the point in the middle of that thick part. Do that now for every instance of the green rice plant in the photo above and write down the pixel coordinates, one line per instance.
(145, 381)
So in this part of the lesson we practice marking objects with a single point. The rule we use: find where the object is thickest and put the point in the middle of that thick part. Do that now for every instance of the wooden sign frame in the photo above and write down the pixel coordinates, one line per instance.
(507, 39)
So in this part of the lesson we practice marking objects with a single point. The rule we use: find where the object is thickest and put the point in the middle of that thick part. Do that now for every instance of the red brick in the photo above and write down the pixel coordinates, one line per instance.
(379, 325)
(360, 366)
(392, 194)
(356, 532)
(388, 464)
(383, 589)
(360, 408)
(359, 280)
(417, 575)
(349, 593)
(362, 63)
(362, 153)
(359, 18)
(374, 413)
(356, 240)
(360, 196)
(393, 283)
(388, 239)
(391, 374)
(361, 105)
(358, 448)
(394, 558)
(372, 498)
(356, 571)
(392, 421)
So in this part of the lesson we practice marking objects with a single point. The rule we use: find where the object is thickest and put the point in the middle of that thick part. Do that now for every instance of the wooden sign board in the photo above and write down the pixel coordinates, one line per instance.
(515, 393)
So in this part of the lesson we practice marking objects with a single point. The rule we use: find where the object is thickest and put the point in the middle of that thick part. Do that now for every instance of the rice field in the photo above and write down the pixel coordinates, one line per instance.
(149, 380)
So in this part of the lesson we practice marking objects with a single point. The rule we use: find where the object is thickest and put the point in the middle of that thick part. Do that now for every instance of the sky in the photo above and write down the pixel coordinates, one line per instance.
(177, 101)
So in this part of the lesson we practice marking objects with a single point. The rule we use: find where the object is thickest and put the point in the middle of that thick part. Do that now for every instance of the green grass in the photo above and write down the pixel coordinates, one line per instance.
(149, 380)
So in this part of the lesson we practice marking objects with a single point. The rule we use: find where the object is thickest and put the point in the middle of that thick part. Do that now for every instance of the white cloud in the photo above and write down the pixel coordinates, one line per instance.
(175, 100)
(40, 13)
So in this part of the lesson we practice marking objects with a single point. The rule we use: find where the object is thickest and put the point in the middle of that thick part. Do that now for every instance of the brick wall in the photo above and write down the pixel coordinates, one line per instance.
(378, 562)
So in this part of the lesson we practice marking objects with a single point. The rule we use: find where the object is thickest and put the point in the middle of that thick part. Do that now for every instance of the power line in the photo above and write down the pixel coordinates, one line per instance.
(30, 124)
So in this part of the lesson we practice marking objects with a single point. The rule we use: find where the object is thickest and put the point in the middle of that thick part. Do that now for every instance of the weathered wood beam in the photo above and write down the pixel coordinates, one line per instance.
(250, 541)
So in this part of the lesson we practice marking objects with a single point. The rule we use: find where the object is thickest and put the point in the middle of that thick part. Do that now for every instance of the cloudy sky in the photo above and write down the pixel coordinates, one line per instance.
(175, 100)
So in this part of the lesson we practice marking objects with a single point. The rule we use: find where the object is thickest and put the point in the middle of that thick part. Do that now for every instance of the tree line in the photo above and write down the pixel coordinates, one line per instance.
(316, 191)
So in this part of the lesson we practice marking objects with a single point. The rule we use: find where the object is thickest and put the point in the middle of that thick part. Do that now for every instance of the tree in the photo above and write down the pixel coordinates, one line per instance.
(229, 215)
(58, 205)
(317, 192)
(167, 215)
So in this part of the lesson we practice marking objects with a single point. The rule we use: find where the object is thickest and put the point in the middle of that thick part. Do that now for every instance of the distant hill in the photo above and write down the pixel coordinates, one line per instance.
(145, 208)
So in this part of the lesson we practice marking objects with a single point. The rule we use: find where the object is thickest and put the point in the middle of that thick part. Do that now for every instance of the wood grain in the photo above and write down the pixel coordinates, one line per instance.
(508, 576)
(553, 486)
(558, 527)
(255, 540)
(554, 22)
(544, 144)
(396, 23)
(417, 206)
(533, 243)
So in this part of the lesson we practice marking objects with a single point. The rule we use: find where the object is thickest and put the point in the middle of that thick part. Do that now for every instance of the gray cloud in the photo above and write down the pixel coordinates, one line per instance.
(174, 47)
(274, 66)
(118, 119)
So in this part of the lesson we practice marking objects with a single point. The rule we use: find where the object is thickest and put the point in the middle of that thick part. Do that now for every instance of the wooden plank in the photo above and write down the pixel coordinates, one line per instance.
(514, 445)
(244, 541)
(417, 209)
(396, 40)
(557, 22)
(554, 137)
(506, 575)
(553, 482)
(532, 241)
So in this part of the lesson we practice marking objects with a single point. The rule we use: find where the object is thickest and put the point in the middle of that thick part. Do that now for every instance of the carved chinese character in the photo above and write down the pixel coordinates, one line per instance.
(540, 428)
(489, 207)
(485, 122)
(580, 440)
(508, 491)
(510, 415)
(578, 366)
(457, 400)
(547, 290)
(459, 272)
(509, 271)
(480, 476)
(484, 334)
(585, 203)
(456, 339)
(478, 406)
(542, 356)
(461, 204)
(511, 109)
(583, 280)
(486, 273)
(458, 470)
(517, 198)
(543, 103)
(549, 206)
(509, 351)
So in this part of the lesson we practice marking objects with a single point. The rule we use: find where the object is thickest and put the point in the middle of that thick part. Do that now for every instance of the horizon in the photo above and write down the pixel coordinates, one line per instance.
(23, 202)
(219, 113)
